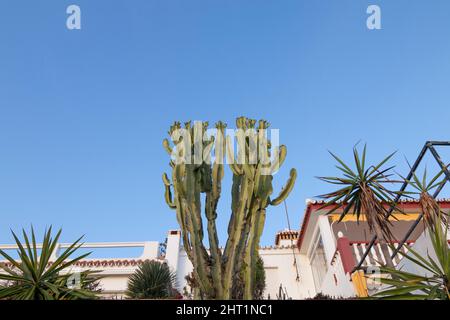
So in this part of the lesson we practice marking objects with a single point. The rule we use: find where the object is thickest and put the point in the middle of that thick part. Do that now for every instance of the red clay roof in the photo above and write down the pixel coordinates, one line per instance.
(109, 263)
(99, 263)
(286, 235)
(314, 205)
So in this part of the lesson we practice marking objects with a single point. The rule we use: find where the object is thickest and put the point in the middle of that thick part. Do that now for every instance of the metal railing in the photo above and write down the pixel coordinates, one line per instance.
(429, 145)
(150, 248)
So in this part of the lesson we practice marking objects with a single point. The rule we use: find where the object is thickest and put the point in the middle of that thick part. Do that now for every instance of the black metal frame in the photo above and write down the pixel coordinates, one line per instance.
(429, 145)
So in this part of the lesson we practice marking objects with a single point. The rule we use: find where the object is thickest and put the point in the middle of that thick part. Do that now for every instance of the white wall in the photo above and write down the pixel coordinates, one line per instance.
(335, 283)
(280, 270)
(278, 262)
(424, 247)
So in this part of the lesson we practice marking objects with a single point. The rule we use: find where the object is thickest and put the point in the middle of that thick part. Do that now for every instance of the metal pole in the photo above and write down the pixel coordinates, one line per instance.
(397, 199)
(447, 175)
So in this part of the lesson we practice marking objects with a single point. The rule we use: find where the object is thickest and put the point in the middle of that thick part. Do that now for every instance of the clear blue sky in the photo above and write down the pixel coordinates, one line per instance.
(83, 113)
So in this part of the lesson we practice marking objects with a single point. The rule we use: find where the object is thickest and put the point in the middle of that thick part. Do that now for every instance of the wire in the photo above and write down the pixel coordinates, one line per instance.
(292, 242)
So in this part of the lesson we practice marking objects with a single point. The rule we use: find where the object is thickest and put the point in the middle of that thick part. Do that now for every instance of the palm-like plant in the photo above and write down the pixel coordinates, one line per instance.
(152, 280)
(363, 192)
(435, 284)
(429, 206)
(34, 277)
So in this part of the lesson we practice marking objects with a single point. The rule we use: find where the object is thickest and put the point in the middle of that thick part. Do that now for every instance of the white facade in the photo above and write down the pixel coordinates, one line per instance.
(424, 247)
(318, 259)
(278, 264)
(285, 265)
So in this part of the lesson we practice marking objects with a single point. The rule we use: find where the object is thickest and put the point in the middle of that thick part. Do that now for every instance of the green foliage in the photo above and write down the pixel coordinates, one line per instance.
(34, 277)
(429, 206)
(216, 270)
(363, 191)
(260, 280)
(152, 280)
(435, 284)
(259, 283)
(321, 296)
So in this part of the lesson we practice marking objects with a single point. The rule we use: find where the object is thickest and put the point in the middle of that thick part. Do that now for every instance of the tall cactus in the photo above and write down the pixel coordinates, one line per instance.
(214, 269)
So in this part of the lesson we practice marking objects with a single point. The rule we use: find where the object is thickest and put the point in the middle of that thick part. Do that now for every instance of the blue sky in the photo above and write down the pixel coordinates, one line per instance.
(83, 113)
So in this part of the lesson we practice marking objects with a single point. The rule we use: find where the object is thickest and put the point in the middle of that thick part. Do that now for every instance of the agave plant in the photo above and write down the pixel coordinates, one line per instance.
(430, 207)
(35, 277)
(152, 280)
(363, 192)
(434, 283)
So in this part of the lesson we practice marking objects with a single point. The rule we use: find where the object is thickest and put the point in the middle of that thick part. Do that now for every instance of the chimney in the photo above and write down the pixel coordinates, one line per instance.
(286, 238)
(173, 248)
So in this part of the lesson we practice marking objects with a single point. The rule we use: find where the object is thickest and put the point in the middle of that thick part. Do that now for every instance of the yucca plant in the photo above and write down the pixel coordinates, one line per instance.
(363, 192)
(35, 277)
(429, 206)
(152, 280)
(435, 284)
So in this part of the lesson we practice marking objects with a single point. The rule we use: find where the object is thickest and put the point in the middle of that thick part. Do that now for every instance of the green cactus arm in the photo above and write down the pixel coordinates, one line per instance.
(244, 237)
(216, 255)
(178, 174)
(168, 197)
(235, 168)
(286, 189)
(230, 256)
(235, 187)
(166, 179)
(264, 188)
(199, 254)
(193, 190)
(212, 199)
(276, 165)
(251, 252)
(167, 147)
(217, 176)
(168, 193)
(183, 222)
(249, 171)
(207, 149)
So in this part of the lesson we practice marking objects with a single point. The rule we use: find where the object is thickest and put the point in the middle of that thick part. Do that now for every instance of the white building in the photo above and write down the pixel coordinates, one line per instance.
(318, 259)
(279, 263)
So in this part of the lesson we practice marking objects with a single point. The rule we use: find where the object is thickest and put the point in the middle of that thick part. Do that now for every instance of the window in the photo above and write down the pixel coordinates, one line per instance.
(318, 263)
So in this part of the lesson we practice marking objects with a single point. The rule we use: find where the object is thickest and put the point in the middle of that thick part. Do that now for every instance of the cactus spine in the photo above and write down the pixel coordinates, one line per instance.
(215, 270)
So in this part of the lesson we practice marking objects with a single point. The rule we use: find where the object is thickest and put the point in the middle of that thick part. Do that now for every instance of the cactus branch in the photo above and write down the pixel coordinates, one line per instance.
(286, 189)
